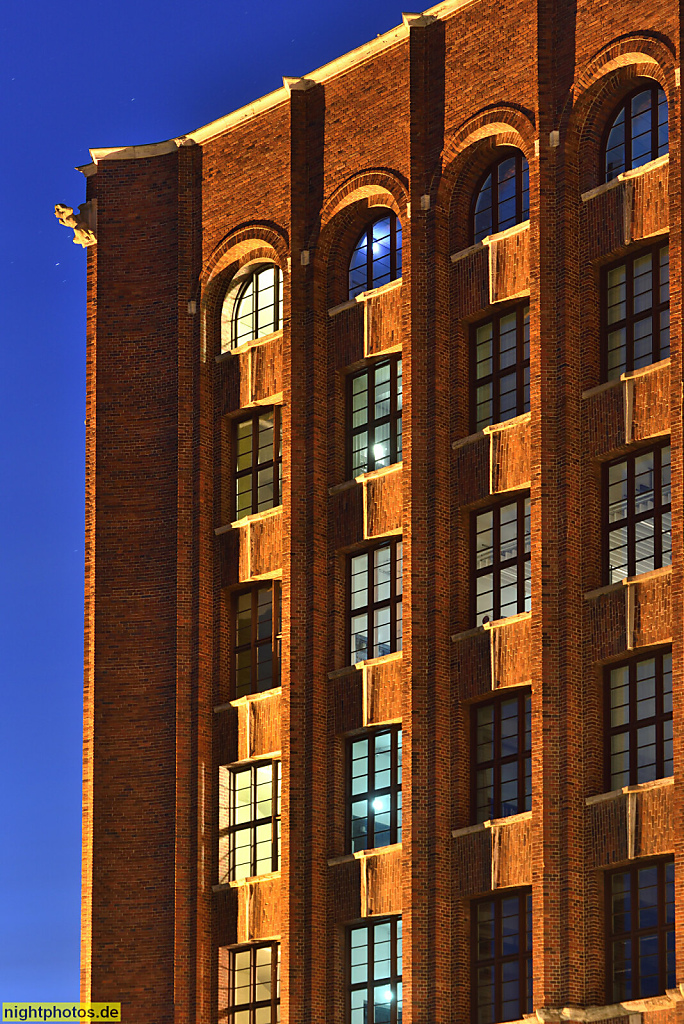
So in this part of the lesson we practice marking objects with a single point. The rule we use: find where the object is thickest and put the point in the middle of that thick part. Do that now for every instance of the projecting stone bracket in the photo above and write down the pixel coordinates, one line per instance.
(84, 223)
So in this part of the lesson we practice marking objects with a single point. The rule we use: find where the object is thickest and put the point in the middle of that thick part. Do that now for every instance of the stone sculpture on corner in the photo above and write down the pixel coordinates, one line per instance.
(82, 222)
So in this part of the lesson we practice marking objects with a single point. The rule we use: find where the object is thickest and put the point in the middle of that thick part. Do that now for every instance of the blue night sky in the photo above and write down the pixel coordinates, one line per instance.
(76, 75)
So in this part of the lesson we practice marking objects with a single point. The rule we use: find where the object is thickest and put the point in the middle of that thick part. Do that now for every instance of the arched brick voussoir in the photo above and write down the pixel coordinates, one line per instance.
(467, 154)
(610, 74)
(344, 217)
(256, 240)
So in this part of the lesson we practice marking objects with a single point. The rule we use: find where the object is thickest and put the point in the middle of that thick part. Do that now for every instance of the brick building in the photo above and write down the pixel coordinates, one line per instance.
(471, 213)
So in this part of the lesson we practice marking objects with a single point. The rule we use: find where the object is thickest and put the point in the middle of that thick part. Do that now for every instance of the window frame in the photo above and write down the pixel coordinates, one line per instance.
(523, 957)
(254, 1004)
(522, 363)
(634, 724)
(394, 419)
(394, 602)
(498, 566)
(395, 228)
(659, 510)
(274, 585)
(645, 85)
(241, 287)
(634, 933)
(275, 462)
(233, 828)
(393, 791)
(523, 756)
(395, 978)
(521, 160)
(631, 319)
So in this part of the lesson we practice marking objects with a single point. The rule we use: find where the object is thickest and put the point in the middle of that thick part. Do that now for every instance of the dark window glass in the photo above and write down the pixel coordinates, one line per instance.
(374, 965)
(503, 198)
(258, 462)
(500, 379)
(375, 589)
(375, 416)
(501, 553)
(376, 258)
(257, 636)
(375, 789)
(638, 132)
(635, 298)
(502, 957)
(637, 501)
(502, 780)
(249, 984)
(249, 844)
(641, 950)
(639, 717)
(257, 309)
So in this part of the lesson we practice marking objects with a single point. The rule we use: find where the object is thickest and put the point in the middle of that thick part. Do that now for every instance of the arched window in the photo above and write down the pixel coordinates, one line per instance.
(638, 131)
(256, 308)
(376, 258)
(503, 198)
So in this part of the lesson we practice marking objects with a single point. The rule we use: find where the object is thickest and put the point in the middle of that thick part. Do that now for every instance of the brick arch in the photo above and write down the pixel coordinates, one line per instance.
(248, 244)
(465, 158)
(343, 218)
(600, 86)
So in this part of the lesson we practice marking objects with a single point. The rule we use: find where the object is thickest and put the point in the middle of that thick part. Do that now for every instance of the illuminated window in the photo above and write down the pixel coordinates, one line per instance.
(374, 964)
(639, 717)
(376, 258)
(256, 309)
(641, 942)
(637, 503)
(375, 789)
(638, 131)
(635, 306)
(503, 196)
(249, 984)
(249, 841)
(374, 403)
(375, 590)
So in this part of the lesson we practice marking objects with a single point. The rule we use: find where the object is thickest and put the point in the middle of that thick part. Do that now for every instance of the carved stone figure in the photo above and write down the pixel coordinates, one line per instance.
(83, 232)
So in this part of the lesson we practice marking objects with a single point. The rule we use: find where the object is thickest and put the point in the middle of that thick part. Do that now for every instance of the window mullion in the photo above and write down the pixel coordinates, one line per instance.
(496, 774)
(496, 370)
(657, 508)
(633, 730)
(631, 517)
(496, 562)
(369, 257)
(520, 552)
(629, 313)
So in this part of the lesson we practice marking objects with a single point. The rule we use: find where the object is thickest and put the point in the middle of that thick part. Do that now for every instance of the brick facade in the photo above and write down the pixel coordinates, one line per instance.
(408, 123)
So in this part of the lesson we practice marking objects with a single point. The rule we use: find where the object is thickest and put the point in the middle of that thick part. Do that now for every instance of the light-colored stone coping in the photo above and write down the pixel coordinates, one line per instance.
(494, 624)
(247, 345)
(246, 881)
(347, 670)
(488, 240)
(481, 826)
(377, 851)
(632, 1008)
(493, 428)
(372, 474)
(665, 570)
(639, 787)
(248, 698)
(642, 371)
(253, 517)
(638, 172)
(372, 293)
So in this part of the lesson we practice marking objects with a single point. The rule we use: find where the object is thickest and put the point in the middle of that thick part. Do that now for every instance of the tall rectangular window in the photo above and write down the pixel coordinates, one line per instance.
(502, 745)
(249, 984)
(374, 959)
(637, 500)
(635, 309)
(374, 425)
(257, 639)
(249, 833)
(502, 957)
(258, 462)
(501, 556)
(375, 588)
(641, 941)
(374, 783)
(639, 716)
(500, 362)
